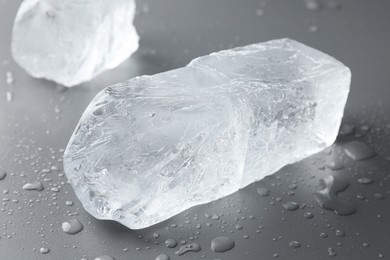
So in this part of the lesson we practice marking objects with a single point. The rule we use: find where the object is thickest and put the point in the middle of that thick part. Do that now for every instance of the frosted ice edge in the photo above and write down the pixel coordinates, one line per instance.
(220, 123)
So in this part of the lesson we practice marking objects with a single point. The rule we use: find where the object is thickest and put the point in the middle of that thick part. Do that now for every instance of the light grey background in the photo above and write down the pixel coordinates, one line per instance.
(37, 124)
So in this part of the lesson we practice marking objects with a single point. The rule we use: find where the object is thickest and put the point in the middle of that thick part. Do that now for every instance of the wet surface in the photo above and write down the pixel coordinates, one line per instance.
(37, 118)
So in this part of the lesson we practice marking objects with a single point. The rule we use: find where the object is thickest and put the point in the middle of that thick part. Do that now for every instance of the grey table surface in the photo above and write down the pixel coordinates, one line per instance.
(36, 125)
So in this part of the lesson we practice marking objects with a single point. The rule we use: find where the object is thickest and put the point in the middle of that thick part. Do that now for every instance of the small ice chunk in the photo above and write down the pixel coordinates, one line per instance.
(148, 148)
(72, 41)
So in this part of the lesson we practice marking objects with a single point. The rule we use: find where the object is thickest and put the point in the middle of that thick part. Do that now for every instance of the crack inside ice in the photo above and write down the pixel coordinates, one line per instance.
(148, 148)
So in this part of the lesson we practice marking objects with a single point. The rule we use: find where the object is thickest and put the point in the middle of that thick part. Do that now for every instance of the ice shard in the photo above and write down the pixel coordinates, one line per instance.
(153, 146)
(72, 41)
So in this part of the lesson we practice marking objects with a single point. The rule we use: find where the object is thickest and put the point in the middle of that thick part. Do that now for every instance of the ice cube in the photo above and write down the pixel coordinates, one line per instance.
(73, 41)
(148, 148)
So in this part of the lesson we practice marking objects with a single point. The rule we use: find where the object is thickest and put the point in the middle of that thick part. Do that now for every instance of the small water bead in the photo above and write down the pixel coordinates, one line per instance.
(335, 165)
(222, 244)
(264, 192)
(358, 151)
(72, 227)
(327, 197)
(308, 215)
(38, 186)
(162, 257)
(379, 196)
(313, 28)
(239, 227)
(340, 233)
(291, 206)
(9, 78)
(3, 174)
(312, 5)
(104, 257)
(44, 250)
(194, 247)
(171, 243)
(360, 197)
(333, 4)
(323, 235)
(259, 12)
(294, 244)
(331, 252)
(69, 203)
(347, 130)
(293, 186)
(365, 180)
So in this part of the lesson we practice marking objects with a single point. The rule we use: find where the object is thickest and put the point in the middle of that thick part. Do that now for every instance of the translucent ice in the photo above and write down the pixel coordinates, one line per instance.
(72, 41)
(151, 147)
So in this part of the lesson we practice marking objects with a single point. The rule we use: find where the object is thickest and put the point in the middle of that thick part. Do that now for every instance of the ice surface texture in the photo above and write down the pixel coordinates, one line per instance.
(72, 41)
(151, 147)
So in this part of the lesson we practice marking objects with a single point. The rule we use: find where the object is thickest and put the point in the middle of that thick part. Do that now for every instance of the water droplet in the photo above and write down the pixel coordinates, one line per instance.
(104, 257)
(291, 206)
(327, 197)
(365, 180)
(331, 252)
(259, 12)
(379, 196)
(222, 244)
(340, 233)
(69, 203)
(335, 165)
(347, 130)
(215, 217)
(358, 151)
(9, 96)
(264, 192)
(44, 250)
(334, 4)
(171, 243)
(312, 5)
(239, 227)
(145, 8)
(33, 186)
(9, 78)
(72, 226)
(294, 244)
(194, 247)
(162, 257)
(3, 174)
(313, 28)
